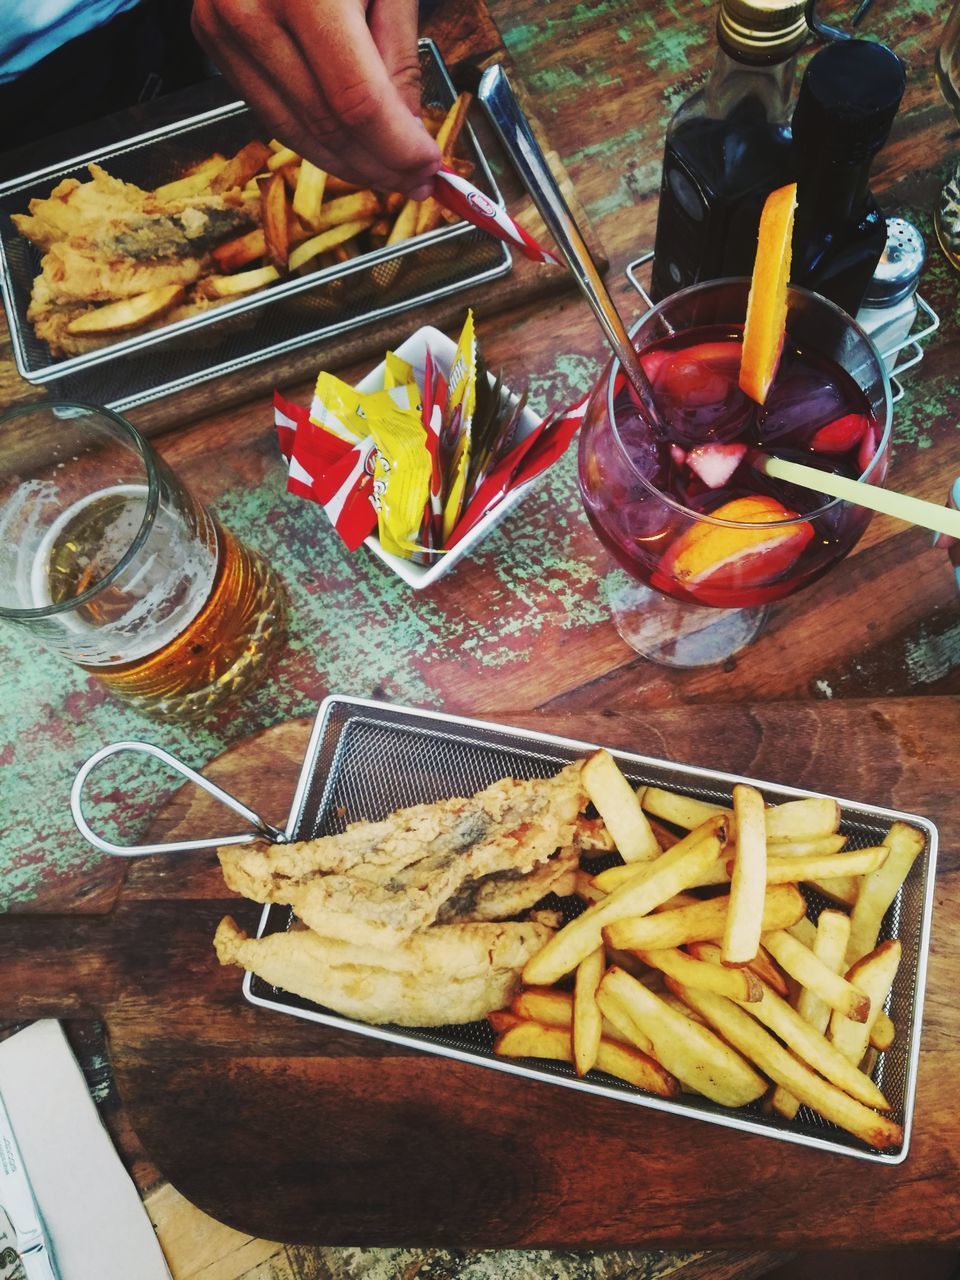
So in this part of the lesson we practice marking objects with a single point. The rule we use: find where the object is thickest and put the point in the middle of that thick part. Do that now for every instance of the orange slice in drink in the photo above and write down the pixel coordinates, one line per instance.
(711, 560)
(767, 304)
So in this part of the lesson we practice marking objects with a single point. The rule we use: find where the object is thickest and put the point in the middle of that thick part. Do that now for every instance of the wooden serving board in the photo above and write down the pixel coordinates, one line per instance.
(469, 40)
(296, 1132)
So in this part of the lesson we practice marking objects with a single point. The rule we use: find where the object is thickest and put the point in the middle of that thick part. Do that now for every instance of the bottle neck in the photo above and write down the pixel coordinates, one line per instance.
(732, 83)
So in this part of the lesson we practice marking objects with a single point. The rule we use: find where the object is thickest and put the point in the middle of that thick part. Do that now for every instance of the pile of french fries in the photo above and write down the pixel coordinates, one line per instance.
(696, 967)
(309, 219)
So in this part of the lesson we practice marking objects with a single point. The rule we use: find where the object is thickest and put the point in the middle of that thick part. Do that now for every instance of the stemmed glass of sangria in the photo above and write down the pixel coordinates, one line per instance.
(707, 539)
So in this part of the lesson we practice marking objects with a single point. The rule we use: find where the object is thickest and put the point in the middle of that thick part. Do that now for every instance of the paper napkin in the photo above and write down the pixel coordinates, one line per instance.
(92, 1210)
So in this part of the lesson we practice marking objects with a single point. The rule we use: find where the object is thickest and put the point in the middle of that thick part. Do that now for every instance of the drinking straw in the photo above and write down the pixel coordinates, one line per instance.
(899, 505)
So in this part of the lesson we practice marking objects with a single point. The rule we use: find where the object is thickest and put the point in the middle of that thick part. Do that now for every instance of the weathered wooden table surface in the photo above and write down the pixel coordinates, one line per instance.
(522, 623)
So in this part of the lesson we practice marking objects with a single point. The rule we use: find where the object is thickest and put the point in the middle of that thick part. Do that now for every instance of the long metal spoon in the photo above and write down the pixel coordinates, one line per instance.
(513, 129)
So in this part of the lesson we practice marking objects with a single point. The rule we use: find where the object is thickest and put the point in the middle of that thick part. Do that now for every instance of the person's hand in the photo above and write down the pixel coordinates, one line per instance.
(336, 80)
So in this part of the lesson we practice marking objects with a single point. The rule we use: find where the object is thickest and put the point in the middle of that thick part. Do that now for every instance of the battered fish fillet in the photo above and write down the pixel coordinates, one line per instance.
(105, 240)
(443, 975)
(379, 882)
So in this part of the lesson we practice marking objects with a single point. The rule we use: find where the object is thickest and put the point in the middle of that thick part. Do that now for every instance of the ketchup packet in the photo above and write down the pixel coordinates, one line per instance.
(462, 197)
(404, 460)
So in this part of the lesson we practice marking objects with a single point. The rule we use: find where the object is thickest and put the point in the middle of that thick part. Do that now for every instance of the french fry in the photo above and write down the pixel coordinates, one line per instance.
(242, 282)
(874, 975)
(879, 889)
(783, 904)
(586, 1012)
(309, 195)
(405, 225)
(817, 847)
(429, 213)
(531, 1040)
(829, 947)
(840, 889)
(682, 811)
(241, 251)
(281, 158)
(738, 984)
(828, 866)
(813, 1048)
(555, 1009)
(433, 118)
(618, 806)
(238, 171)
(882, 1032)
(449, 132)
(762, 966)
(128, 313)
(339, 186)
(817, 977)
(748, 882)
(325, 241)
(687, 1050)
(614, 877)
(805, 931)
(356, 206)
(628, 960)
(805, 819)
(502, 1020)
(627, 1062)
(742, 1031)
(193, 182)
(668, 875)
(273, 209)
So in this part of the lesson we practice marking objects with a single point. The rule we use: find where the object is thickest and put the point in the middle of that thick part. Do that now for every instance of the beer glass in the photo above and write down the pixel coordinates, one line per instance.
(107, 559)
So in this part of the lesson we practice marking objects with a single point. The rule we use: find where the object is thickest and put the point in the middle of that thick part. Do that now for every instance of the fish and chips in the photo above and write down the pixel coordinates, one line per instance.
(119, 260)
(692, 967)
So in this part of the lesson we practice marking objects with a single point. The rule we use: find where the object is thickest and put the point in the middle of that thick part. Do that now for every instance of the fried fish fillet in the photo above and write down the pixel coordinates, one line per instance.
(379, 882)
(442, 975)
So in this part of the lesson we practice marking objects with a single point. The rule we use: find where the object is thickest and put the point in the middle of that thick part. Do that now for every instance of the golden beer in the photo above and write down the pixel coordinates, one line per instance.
(214, 646)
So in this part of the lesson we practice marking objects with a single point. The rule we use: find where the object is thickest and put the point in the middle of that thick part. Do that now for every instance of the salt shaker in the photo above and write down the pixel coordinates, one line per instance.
(890, 304)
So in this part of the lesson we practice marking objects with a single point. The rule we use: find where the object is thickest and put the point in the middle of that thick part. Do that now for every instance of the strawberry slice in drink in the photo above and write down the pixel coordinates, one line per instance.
(711, 561)
(841, 435)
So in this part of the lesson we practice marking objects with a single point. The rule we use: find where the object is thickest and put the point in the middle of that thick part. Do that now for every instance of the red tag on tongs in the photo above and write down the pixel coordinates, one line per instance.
(462, 197)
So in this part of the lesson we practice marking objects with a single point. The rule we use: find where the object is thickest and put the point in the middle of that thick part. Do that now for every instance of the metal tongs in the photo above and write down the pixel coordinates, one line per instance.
(513, 129)
(262, 830)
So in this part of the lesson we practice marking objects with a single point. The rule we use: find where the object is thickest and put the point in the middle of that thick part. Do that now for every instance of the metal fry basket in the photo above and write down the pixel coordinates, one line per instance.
(289, 314)
(366, 759)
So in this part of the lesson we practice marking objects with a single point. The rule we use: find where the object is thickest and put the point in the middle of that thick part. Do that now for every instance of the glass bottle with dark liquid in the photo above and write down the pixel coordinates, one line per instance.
(728, 147)
(850, 94)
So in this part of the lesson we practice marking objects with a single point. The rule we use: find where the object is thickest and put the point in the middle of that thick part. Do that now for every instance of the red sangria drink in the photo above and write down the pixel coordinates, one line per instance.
(681, 502)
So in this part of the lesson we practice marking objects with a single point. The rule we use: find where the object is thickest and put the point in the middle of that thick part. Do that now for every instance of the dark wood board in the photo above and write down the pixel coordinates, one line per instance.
(468, 41)
(301, 1133)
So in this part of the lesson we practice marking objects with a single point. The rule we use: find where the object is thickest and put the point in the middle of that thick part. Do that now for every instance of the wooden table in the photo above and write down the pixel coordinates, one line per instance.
(852, 681)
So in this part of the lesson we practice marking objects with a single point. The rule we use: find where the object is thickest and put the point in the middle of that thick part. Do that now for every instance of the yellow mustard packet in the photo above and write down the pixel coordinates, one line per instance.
(396, 371)
(338, 408)
(401, 478)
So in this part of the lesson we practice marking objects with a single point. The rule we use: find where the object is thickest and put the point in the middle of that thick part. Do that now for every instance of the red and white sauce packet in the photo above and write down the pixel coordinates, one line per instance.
(344, 456)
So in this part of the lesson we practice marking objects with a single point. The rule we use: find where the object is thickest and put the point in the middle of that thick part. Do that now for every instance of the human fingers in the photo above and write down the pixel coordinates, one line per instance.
(393, 26)
(370, 77)
(341, 111)
(220, 29)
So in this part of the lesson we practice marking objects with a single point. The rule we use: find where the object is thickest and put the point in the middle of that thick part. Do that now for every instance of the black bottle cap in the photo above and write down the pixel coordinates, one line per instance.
(849, 96)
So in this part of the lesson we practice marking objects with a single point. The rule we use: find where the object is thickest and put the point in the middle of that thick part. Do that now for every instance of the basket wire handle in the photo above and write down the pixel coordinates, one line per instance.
(263, 829)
